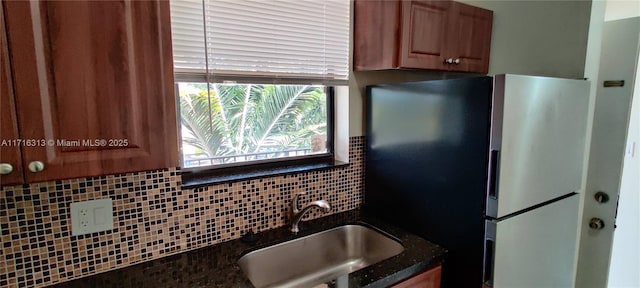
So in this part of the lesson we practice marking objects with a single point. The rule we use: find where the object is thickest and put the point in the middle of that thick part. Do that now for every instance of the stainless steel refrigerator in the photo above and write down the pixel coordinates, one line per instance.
(487, 167)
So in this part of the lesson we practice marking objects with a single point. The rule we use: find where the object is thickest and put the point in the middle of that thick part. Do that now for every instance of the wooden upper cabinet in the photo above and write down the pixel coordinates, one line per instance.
(375, 34)
(470, 39)
(421, 34)
(94, 79)
(424, 34)
(10, 158)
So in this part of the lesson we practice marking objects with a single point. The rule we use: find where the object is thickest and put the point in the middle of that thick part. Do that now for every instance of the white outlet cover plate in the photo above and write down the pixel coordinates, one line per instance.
(91, 216)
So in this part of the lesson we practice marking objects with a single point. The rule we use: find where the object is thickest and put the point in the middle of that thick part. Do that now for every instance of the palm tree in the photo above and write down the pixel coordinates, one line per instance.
(235, 119)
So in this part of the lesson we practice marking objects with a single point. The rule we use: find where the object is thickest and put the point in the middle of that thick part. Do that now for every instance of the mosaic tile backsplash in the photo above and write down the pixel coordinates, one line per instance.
(153, 217)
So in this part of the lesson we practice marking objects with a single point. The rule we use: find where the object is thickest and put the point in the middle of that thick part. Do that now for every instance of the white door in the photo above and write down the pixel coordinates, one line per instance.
(618, 61)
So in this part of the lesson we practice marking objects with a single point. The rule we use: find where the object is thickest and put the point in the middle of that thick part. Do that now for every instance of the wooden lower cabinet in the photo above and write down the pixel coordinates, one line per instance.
(426, 279)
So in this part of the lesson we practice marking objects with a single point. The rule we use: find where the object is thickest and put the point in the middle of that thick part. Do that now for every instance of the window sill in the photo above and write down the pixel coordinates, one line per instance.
(198, 179)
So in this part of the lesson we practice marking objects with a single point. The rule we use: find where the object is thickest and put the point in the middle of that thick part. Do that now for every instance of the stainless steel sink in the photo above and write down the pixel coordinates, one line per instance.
(317, 258)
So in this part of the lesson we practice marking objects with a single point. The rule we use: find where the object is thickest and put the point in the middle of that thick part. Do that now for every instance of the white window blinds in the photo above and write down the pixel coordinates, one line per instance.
(291, 39)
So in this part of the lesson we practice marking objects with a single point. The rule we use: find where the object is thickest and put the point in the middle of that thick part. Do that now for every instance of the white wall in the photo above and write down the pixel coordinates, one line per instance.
(621, 9)
(546, 38)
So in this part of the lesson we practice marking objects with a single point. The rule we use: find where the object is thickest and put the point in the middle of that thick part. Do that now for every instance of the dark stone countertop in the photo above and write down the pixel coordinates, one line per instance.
(216, 266)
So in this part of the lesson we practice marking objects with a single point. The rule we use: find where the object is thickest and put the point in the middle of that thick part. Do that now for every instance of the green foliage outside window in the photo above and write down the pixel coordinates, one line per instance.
(239, 119)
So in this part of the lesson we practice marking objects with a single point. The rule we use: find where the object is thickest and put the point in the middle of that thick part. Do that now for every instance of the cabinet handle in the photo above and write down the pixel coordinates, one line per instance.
(456, 61)
(36, 166)
(448, 60)
(5, 168)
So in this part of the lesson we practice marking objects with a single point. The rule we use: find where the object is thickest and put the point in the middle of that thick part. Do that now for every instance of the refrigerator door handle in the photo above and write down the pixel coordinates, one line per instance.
(491, 229)
(494, 159)
(489, 246)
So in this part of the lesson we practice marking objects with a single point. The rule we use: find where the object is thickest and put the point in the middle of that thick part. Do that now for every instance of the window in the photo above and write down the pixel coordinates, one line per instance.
(254, 78)
(229, 123)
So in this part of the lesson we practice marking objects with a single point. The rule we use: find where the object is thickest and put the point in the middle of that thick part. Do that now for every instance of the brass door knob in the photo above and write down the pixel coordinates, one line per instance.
(596, 224)
(36, 166)
(5, 168)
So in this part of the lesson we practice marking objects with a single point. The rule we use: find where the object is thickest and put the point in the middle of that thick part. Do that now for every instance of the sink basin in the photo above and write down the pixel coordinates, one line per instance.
(317, 258)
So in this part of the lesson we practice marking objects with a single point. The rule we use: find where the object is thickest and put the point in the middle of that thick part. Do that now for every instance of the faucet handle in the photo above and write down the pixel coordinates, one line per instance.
(324, 205)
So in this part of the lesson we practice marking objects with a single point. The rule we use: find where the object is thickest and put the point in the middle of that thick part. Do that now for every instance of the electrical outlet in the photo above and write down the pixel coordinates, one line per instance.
(91, 216)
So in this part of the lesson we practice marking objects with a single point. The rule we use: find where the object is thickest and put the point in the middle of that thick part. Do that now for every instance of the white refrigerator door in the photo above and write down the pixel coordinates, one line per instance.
(538, 134)
(535, 249)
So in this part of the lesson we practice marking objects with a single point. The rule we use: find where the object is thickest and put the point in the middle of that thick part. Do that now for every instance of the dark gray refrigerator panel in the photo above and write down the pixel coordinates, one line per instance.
(426, 166)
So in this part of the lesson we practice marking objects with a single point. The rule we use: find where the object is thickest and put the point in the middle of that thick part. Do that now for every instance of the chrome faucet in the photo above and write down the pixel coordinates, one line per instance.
(296, 214)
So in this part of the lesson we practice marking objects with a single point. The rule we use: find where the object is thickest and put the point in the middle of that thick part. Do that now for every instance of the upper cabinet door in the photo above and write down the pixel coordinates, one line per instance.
(470, 38)
(10, 159)
(94, 80)
(423, 33)
(375, 27)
